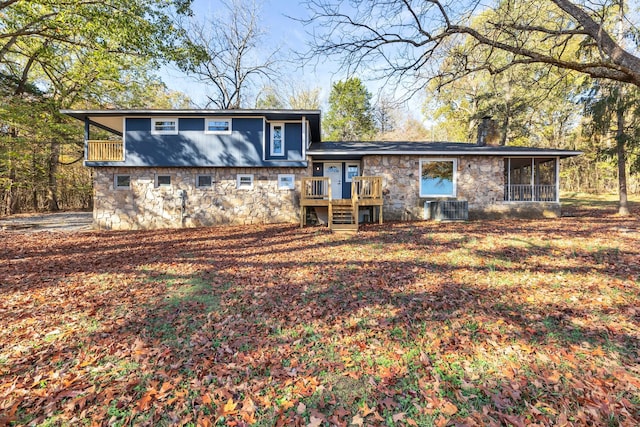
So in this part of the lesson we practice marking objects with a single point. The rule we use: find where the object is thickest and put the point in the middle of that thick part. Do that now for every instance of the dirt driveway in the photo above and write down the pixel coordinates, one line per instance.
(59, 221)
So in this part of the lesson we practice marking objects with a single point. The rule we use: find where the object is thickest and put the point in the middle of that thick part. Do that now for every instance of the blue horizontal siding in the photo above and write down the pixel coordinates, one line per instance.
(192, 147)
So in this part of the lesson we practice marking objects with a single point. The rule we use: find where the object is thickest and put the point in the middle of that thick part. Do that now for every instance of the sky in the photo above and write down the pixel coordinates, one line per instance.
(280, 31)
(289, 35)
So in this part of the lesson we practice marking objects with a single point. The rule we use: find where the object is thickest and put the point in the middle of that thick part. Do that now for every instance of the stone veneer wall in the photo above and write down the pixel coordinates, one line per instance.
(480, 181)
(145, 206)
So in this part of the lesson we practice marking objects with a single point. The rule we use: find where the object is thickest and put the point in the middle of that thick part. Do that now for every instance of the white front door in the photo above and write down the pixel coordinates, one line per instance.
(334, 172)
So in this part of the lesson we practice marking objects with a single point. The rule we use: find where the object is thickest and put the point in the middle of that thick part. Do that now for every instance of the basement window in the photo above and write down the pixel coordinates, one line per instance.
(122, 182)
(286, 182)
(163, 181)
(244, 182)
(204, 181)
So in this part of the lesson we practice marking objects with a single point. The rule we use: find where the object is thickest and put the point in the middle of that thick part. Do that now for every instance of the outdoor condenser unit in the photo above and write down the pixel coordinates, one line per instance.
(450, 210)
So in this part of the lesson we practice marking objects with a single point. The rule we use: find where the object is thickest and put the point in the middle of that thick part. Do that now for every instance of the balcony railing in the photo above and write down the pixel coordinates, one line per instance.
(105, 151)
(530, 193)
(366, 188)
(316, 188)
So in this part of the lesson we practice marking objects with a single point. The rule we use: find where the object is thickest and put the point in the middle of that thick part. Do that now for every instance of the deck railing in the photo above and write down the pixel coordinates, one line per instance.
(316, 188)
(530, 193)
(105, 151)
(366, 188)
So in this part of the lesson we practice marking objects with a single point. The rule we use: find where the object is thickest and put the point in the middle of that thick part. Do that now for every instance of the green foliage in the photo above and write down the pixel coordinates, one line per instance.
(350, 115)
(84, 54)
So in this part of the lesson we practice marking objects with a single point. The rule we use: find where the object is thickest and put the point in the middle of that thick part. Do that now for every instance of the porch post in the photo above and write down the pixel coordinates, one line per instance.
(533, 180)
(86, 138)
(507, 195)
(557, 179)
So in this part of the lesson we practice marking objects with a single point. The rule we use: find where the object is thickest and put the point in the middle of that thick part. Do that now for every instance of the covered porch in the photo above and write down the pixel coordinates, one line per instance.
(531, 179)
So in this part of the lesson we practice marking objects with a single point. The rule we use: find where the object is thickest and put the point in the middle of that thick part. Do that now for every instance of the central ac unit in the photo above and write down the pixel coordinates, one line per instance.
(450, 210)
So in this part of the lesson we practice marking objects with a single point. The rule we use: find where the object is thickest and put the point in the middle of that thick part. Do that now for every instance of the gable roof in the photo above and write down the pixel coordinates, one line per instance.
(361, 148)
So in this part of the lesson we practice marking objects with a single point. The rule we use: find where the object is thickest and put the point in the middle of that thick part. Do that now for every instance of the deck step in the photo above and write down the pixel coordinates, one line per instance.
(344, 228)
(342, 214)
(343, 219)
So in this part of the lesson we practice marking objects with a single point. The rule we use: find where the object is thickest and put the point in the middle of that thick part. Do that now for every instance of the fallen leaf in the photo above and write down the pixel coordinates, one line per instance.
(449, 409)
(314, 422)
(301, 409)
(398, 417)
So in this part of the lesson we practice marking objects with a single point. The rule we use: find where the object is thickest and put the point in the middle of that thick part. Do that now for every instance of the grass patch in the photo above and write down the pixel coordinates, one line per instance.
(473, 323)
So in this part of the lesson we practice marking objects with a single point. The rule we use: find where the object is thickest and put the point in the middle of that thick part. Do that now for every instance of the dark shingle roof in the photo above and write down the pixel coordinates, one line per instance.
(359, 148)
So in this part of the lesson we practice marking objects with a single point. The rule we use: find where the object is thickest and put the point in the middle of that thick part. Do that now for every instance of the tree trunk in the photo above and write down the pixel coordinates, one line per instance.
(34, 180)
(623, 208)
(52, 182)
(11, 199)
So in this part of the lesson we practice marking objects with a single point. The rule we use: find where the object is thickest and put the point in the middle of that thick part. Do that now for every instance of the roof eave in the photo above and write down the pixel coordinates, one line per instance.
(509, 153)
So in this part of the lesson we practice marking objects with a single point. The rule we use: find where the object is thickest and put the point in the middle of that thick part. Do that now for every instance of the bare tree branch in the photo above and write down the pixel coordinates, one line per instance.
(410, 38)
(230, 55)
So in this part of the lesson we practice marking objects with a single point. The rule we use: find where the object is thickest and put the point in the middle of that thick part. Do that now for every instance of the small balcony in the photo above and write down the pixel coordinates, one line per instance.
(105, 151)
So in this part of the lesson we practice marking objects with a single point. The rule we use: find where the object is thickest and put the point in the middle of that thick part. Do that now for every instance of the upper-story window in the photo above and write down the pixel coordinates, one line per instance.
(164, 126)
(218, 125)
(277, 139)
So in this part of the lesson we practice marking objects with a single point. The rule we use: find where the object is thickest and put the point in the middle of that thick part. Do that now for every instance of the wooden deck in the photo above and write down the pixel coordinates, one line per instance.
(343, 214)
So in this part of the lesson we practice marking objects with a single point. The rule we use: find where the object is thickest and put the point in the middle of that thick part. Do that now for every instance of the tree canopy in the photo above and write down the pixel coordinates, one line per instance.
(350, 115)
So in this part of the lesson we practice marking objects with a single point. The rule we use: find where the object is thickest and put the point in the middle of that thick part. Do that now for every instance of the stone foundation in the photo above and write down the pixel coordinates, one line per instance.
(146, 206)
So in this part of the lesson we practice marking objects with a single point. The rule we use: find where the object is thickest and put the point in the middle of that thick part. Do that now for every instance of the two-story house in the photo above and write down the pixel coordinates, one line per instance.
(186, 168)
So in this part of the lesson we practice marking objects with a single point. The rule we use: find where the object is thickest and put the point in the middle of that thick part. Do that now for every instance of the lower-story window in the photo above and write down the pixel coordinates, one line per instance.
(286, 182)
(163, 180)
(244, 182)
(204, 181)
(122, 181)
(438, 177)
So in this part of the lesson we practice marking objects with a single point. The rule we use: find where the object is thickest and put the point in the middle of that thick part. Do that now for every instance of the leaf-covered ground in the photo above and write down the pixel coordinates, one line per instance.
(479, 323)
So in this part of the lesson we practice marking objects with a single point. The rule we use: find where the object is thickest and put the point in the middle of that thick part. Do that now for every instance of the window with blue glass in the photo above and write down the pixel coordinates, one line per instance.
(438, 177)
(218, 125)
(277, 139)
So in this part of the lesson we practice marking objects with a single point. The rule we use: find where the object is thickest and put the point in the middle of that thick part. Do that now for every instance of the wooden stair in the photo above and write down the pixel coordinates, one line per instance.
(342, 218)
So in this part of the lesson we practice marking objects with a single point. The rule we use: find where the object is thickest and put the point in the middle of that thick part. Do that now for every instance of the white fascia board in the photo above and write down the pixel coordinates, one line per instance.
(446, 153)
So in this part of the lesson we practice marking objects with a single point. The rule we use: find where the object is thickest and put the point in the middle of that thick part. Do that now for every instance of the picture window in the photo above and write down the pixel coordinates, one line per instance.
(438, 177)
